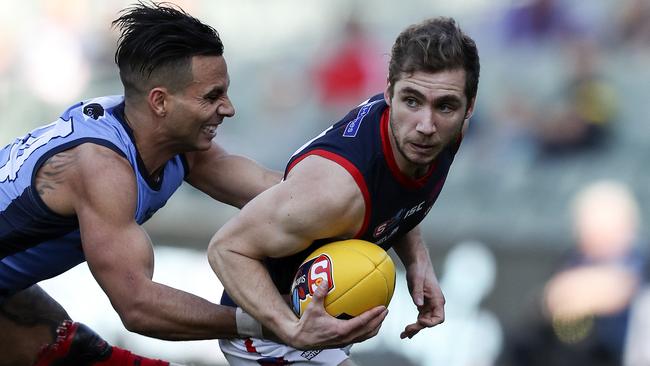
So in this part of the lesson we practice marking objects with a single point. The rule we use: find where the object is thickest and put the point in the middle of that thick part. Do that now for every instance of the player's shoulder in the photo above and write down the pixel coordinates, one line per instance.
(96, 170)
(101, 121)
(326, 180)
(368, 107)
(96, 161)
(85, 170)
(325, 192)
(324, 168)
(94, 109)
(376, 98)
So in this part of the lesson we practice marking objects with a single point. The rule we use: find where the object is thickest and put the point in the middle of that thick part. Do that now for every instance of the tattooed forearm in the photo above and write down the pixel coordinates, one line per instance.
(50, 175)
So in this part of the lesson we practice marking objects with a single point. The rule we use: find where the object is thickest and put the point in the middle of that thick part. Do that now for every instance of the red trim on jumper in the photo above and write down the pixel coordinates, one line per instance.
(249, 346)
(121, 357)
(402, 178)
(354, 172)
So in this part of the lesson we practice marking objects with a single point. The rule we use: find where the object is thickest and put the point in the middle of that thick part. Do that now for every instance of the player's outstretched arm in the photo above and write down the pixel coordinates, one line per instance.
(422, 282)
(231, 179)
(99, 187)
(319, 199)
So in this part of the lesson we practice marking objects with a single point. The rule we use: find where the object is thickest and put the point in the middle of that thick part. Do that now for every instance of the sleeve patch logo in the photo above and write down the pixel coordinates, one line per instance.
(93, 110)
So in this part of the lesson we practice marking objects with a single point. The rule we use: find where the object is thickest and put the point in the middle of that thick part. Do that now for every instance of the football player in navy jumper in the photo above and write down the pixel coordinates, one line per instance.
(374, 175)
(79, 188)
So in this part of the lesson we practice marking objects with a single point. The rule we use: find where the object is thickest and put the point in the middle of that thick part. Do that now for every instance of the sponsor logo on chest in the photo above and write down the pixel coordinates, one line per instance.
(390, 227)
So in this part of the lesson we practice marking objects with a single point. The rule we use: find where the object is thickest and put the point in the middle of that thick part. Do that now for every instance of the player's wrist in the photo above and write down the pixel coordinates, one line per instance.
(247, 326)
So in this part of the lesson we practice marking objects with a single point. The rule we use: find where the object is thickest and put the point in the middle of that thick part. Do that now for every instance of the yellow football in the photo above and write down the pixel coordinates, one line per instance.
(360, 276)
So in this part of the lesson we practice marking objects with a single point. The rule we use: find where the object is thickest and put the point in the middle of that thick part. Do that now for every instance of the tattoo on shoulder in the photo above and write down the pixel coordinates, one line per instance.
(50, 175)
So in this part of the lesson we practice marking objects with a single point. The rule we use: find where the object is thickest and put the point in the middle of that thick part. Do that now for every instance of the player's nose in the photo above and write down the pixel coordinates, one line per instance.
(427, 124)
(226, 108)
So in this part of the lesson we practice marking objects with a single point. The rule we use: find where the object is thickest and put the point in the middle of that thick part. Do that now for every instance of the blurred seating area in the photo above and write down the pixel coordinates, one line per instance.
(563, 101)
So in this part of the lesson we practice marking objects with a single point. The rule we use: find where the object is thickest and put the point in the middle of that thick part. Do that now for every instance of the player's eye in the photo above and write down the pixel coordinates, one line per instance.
(411, 102)
(446, 108)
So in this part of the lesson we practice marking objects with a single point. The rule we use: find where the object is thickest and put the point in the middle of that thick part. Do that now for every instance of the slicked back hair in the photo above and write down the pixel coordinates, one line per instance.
(156, 45)
(435, 45)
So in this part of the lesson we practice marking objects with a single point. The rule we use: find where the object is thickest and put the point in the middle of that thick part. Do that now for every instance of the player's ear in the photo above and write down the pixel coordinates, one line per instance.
(387, 93)
(470, 109)
(468, 115)
(157, 99)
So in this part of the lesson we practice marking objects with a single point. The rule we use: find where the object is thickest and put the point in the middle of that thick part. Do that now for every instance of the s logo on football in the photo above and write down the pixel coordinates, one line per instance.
(320, 270)
(308, 277)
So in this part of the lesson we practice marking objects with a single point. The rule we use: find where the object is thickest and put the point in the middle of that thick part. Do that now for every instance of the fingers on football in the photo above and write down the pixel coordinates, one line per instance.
(373, 318)
(320, 293)
(367, 324)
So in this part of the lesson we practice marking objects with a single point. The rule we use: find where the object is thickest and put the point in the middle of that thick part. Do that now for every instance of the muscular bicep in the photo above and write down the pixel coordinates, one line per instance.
(318, 200)
(117, 249)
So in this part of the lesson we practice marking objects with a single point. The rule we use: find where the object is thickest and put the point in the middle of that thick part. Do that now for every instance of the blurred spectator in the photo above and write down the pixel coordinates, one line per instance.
(6, 49)
(506, 136)
(634, 24)
(348, 72)
(581, 121)
(578, 118)
(535, 21)
(470, 336)
(586, 304)
(60, 36)
(637, 345)
(468, 278)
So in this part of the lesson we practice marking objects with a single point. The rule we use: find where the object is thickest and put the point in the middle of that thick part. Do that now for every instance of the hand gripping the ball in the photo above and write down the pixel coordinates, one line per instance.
(317, 329)
(360, 276)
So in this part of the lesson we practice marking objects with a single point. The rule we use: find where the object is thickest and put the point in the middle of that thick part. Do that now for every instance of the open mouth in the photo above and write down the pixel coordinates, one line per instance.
(210, 129)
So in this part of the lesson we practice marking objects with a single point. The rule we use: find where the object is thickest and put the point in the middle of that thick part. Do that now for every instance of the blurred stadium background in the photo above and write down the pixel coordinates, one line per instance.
(563, 102)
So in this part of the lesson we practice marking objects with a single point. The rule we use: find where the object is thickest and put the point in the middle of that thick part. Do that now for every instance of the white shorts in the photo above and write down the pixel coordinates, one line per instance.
(256, 352)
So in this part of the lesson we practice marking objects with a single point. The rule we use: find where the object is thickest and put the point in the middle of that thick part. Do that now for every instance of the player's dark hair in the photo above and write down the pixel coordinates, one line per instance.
(435, 45)
(156, 45)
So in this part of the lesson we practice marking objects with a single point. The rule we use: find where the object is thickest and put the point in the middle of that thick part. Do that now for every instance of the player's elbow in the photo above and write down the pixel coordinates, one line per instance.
(228, 251)
(137, 315)
(216, 253)
(134, 323)
(134, 318)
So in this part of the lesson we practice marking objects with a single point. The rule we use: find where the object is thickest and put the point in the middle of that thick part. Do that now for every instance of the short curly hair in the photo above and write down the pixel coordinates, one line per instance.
(435, 45)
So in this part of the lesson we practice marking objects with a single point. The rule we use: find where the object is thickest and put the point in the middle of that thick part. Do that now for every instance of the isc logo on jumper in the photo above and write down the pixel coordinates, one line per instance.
(390, 227)
(307, 279)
